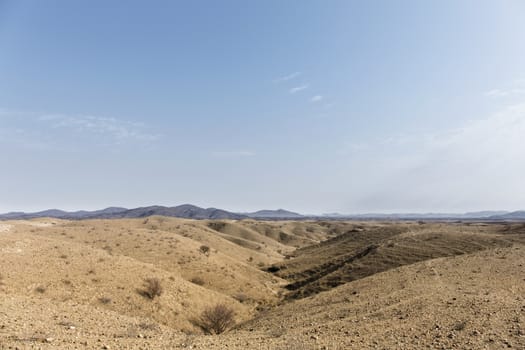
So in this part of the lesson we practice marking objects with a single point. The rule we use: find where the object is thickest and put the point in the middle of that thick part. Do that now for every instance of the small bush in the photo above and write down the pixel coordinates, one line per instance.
(217, 319)
(204, 249)
(152, 288)
(40, 289)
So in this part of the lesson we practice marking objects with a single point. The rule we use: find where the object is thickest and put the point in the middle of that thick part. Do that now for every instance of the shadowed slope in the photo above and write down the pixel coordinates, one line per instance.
(359, 253)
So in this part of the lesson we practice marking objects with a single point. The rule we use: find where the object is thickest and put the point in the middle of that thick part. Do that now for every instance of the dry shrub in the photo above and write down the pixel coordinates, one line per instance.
(217, 319)
(152, 288)
(40, 289)
(204, 249)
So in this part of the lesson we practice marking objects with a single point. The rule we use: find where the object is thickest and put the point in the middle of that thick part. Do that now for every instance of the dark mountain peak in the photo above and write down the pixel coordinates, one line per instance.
(271, 214)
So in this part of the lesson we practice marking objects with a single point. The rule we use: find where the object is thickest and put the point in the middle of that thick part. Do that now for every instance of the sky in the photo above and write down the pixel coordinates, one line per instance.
(313, 106)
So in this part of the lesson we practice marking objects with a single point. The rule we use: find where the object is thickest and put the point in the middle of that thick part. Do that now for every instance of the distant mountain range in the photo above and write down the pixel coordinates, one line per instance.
(481, 215)
(182, 211)
(189, 211)
(515, 215)
(427, 216)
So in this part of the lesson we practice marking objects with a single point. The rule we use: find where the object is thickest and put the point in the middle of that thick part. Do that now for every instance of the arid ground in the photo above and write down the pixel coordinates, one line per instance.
(292, 285)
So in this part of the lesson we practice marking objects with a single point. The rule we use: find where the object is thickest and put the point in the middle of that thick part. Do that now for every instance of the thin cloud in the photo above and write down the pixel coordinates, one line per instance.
(287, 77)
(504, 93)
(119, 130)
(450, 169)
(232, 154)
(299, 88)
(28, 129)
(316, 98)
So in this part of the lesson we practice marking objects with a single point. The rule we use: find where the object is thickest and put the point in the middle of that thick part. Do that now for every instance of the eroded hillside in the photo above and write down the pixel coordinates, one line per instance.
(332, 285)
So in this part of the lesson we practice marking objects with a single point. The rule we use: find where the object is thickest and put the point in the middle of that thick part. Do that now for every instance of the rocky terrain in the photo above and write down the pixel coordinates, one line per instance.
(291, 284)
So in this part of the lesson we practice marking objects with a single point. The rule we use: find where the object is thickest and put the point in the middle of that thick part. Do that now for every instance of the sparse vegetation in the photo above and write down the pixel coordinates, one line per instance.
(217, 319)
(152, 288)
(204, 249)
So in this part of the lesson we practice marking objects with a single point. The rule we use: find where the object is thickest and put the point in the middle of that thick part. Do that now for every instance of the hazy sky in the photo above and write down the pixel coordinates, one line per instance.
(314, 106)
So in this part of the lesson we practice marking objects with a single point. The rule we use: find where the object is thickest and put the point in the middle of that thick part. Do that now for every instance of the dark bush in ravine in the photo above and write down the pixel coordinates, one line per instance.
(217, 319)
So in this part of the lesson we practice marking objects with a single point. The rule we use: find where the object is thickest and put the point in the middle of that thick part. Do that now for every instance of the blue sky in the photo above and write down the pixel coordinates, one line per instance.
(314, 106)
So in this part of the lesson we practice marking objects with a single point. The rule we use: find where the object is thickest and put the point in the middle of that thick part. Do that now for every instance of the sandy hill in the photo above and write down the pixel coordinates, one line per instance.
(472, 301)
(333, 285)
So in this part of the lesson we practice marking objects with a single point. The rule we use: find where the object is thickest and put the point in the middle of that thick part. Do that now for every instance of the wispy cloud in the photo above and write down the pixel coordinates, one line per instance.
(287, 77)
(299, 88)
(504, 93)
(119, 130)
(41, 131)
(316, 98)
(233, 154)
(448, 169)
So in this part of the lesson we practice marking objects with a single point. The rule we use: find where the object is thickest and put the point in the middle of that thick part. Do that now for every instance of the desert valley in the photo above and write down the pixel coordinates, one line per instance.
(145, 283)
